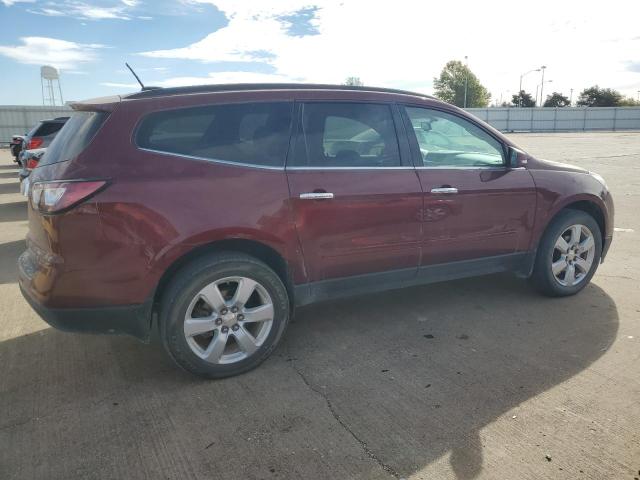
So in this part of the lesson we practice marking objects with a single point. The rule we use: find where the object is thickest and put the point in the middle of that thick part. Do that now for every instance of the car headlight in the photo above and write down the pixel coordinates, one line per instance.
(600, 179)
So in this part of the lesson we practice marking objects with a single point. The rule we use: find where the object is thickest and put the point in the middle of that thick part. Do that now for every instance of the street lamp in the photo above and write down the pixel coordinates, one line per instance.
(520, 89)
(466, 79)
(543, 68)
(541, 85)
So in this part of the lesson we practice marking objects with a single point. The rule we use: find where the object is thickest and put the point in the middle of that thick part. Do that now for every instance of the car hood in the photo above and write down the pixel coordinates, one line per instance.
(541, 164)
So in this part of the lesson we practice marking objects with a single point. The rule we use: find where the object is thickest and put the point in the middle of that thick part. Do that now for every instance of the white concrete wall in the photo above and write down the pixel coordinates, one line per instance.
(560, 119)
(18, 119)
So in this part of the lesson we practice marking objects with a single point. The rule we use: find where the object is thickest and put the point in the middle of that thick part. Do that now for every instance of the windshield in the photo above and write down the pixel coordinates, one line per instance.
(74, 137)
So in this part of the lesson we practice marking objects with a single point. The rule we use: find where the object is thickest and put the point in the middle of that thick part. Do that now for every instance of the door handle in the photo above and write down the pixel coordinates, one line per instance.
(316, 196)
(445, 190)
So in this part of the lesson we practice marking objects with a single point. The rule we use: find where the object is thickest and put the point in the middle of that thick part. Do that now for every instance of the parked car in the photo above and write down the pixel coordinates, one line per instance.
(30, 161)
(40, 136)
(16, 146)
(216, 210)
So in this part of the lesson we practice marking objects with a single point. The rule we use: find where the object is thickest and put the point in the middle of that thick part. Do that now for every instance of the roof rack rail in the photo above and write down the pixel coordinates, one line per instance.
(230, 87)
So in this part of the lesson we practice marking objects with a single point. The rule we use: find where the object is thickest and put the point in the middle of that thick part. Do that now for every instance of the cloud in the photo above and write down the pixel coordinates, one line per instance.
(72, 8)
(405, 43)
(211, 78)
(9, 3)
(51, 51)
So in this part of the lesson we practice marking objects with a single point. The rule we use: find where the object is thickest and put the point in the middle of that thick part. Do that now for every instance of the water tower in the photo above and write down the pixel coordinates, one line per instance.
(49, 80)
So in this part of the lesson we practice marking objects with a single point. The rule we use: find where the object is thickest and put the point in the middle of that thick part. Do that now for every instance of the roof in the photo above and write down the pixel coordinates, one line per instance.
(152, 92)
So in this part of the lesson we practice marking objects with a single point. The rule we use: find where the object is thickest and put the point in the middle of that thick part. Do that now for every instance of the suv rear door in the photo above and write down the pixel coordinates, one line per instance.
(355, 196)
(476, 207)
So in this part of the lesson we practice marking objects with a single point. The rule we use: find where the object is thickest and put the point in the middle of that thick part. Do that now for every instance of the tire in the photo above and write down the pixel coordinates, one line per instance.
(552, 270)
(237, 343)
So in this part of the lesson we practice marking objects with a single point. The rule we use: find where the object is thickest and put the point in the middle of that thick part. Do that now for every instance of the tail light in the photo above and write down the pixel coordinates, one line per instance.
(32, 163)
(56, 197)
(35, 142)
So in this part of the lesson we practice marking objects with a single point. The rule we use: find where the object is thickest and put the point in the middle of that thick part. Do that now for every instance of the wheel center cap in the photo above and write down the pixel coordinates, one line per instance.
(228, 318)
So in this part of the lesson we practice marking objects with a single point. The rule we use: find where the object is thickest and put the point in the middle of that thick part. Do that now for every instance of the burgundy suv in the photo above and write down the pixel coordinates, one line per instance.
(211, 212)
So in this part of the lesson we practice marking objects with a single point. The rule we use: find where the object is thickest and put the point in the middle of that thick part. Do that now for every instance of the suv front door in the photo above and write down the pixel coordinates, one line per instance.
(475, 206)
(355, 196)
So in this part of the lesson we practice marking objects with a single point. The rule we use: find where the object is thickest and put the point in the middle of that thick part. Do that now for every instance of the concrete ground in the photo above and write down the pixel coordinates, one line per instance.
(478, 378)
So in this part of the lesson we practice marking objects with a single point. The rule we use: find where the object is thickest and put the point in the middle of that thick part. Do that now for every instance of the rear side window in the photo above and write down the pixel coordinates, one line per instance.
(249, 133)
(74, 137)
(347, 135)
(48, 128)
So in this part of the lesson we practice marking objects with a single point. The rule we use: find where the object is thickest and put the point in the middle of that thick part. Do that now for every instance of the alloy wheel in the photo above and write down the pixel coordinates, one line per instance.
(573, 255)
(228, 320)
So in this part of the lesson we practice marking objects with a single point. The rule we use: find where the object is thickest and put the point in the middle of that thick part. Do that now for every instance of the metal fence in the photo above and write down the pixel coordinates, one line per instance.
(18, 119)
(560, 119)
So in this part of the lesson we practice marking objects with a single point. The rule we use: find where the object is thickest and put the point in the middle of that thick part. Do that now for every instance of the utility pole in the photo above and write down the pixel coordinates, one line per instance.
(543, 68)
(520, 89)
(571, 98)
(466, 79)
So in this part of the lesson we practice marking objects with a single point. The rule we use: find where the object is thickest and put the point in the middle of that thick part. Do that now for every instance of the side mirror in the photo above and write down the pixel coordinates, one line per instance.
(517, 158)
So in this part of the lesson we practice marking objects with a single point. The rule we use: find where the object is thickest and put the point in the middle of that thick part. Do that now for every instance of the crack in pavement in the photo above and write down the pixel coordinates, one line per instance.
(387, 468)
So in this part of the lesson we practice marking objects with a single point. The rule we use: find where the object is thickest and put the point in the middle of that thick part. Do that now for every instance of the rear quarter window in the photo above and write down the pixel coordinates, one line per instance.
(48, 128)
(74, 137)
(248, 133)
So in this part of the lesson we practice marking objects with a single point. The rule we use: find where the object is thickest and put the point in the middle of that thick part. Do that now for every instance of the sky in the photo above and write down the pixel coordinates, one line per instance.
(400, 43)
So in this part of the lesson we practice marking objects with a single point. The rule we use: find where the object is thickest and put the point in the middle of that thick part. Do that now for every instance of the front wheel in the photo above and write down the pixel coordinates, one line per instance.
(568, 254)
(223, 315)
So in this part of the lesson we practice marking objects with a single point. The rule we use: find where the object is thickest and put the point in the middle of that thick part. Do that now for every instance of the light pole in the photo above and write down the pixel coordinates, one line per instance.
(466, 79)
(571, 98)
(520, 89)
(543, 68)
(542, 99)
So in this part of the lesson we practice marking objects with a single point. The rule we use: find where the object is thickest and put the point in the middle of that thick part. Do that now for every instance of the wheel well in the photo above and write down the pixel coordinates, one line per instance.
(256, 249)
(591, 209)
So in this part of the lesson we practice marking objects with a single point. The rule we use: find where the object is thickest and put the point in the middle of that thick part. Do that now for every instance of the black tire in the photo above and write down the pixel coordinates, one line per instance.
(543, 278)
(192, 278)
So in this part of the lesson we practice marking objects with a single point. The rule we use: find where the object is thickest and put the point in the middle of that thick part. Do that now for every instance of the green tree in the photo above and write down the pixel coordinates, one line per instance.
(523, 99)
(353, 82)
(629, 102)
(556, 100)
(599, 97)
(450, 86)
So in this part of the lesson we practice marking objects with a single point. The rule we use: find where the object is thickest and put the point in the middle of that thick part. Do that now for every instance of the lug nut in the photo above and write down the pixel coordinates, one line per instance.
(218, 321)
(235, 327)
(225, 329)
(224, 311)
(234, 309)
(240, 317)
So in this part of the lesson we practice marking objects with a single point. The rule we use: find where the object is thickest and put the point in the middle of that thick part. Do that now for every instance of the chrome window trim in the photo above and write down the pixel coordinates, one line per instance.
(401, 167)
(497, 169)
(213, 160)
(501, 168)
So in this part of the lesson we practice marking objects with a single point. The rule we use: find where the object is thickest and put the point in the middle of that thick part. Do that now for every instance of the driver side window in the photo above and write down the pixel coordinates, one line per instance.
(446, 140)
(347, 135)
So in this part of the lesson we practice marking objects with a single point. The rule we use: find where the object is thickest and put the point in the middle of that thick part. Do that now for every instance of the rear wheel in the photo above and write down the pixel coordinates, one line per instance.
(568, 254)
(223, 315)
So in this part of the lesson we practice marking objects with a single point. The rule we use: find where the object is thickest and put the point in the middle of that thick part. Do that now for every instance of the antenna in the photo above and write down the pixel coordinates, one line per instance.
(134, 74)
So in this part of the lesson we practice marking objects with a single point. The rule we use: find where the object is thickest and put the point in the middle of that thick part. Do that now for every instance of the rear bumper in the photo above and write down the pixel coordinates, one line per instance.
(131, 320)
